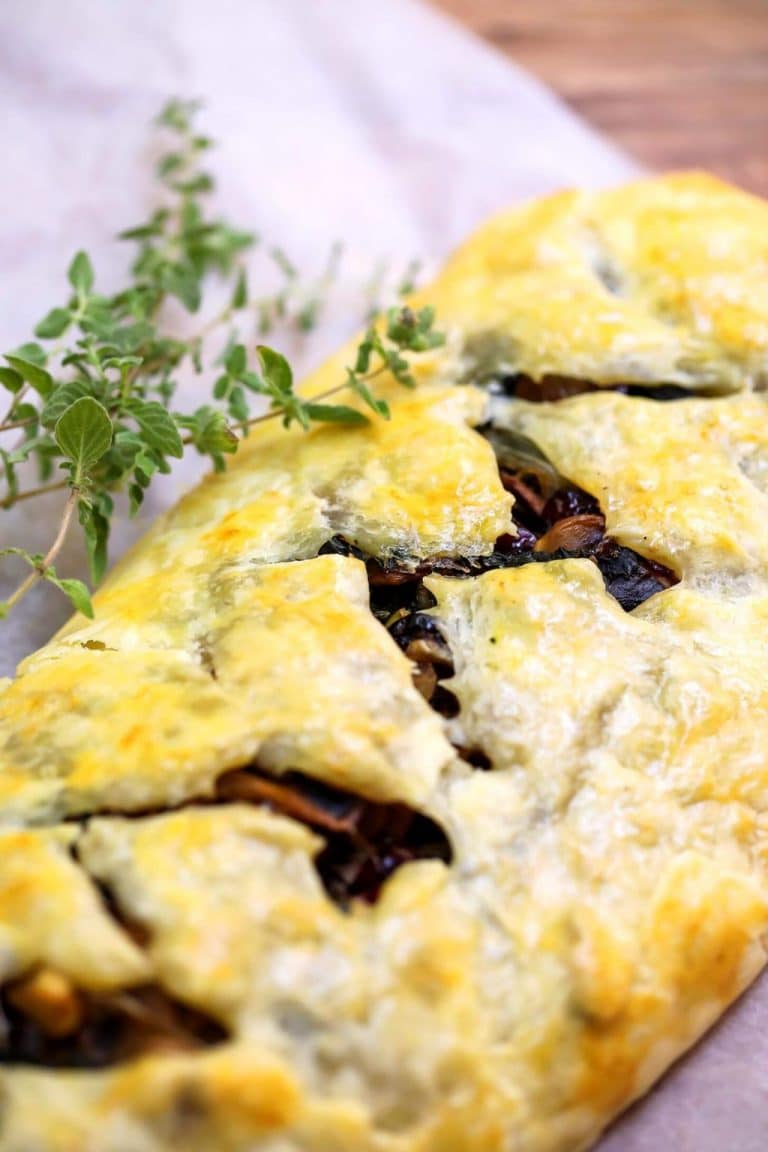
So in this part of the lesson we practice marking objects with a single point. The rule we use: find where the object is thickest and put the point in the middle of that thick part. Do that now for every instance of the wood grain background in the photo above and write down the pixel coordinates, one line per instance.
(678, 83)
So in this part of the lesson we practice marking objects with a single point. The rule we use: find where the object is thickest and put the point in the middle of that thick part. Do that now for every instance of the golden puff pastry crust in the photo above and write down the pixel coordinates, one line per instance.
(408, 791)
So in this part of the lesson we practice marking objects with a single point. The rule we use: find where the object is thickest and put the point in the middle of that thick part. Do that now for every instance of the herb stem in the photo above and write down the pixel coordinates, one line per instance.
(9, 425)
(4, 425)
(32, 492)
(278, 412)
(41, 568)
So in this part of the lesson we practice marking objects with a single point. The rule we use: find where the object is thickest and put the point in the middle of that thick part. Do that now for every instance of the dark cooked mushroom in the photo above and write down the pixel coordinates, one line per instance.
(421, 638)
(49, 1022)
(570, 500)
(629, 577)
(552, 389)
(366, 840)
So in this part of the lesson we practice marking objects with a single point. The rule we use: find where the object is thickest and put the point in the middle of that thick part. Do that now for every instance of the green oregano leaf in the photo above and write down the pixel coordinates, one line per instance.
(54, 324)
(80, 274)
(335, 413)
(38, 378)
(158, 427)
(236, 360)
(95, 524)
(11, 379)
(83, 433)
(240, 294)
(32, 352)
(75, 590)
(61, 398)
(276, 370)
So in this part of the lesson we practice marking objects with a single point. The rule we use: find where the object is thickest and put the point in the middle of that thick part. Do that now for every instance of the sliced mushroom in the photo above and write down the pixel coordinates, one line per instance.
(366, 840)
(425, 680)
(547, 390)
(310, 801)
(573, 534)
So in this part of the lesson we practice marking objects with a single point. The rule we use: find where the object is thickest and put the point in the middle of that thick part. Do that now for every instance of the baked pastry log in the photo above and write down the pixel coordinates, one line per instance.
(407, 792)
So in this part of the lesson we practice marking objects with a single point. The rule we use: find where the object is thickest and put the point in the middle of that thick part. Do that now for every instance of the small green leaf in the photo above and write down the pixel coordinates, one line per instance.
(34, 353)
(240, 294)
(32, 444)
(33, 374)
(185, 285)
(142, 232)
(364, 351)
(31, 558)
(135, 498)
(127, 439)
(78, 593)
(158, 426)
(96, 529)
(335, 413)
(121, 362)
(169, 163)
(412, 331)
(221, 387)
(285, 265)
(253, 382)
(306, 318)
(61, 398)
(178, 114)
(380, 407)
(196, 185)
(236, 360)
(11, 480)
(292, 408)
(211, 435)
(276, 370)
(83, 432)
(54, 324)
(11, 379)
(191, 215)
(238, 405)
(144, 464)
(80, 274)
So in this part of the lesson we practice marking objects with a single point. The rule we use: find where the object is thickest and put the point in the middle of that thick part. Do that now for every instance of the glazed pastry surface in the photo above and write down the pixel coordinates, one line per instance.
(408, 791)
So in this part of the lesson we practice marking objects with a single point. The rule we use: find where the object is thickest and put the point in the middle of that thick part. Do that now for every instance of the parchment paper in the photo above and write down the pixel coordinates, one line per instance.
(381, 124)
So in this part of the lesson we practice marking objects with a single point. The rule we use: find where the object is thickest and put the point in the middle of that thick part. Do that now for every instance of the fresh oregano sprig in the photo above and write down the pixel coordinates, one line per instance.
(93, 395)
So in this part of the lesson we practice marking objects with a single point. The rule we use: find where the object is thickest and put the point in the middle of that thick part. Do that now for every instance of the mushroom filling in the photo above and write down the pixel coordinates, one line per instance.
(365, 840)
(46, 1020)
(551, 389)
(554, 519)
(399, 600)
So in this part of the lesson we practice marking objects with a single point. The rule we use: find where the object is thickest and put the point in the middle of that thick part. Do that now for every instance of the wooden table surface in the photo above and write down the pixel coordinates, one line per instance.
(677, 83)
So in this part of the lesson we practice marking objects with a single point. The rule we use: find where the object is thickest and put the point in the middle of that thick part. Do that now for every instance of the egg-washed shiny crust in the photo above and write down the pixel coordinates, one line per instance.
(408, 791)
